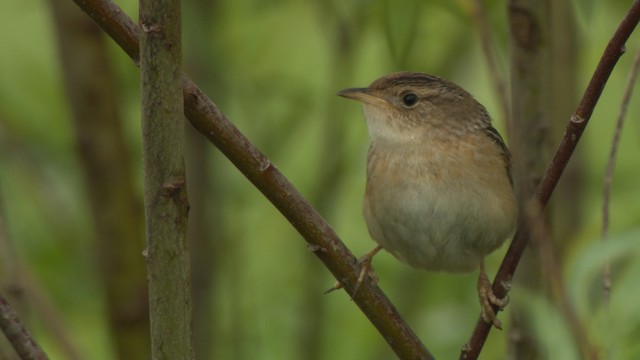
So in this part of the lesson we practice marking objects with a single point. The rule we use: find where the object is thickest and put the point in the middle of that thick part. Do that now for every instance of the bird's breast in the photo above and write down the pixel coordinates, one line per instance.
(438, 206)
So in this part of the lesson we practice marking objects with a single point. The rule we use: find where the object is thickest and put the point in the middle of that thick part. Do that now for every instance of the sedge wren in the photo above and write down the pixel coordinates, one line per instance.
(439, 194)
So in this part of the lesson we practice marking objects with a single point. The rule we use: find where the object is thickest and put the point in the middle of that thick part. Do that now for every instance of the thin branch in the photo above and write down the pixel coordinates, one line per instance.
(608, 177)
(530, 138)
(321, 239)
(17, 334)
(573, 132)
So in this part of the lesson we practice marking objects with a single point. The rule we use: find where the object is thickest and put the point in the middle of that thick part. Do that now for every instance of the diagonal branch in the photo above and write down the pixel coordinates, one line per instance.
(573, 132)
(18, 336)
(321, 239)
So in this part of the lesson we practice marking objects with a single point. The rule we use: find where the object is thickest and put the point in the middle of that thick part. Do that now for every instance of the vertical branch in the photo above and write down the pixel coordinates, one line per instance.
(530, 142)
(529, 79)
(563, 63)
(166, 204)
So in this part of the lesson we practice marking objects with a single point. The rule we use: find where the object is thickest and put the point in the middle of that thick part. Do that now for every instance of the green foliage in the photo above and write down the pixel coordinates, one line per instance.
(273, 68)
(613, 326)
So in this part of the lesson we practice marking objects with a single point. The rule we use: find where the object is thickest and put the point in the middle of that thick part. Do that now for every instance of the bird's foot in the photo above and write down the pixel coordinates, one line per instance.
(488, 299)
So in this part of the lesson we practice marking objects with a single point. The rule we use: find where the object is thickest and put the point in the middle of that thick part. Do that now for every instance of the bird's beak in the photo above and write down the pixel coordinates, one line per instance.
(364, 95)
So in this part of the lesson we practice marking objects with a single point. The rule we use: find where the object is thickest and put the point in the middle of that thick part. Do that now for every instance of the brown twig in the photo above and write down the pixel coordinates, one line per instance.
(17, 334)
(611, 163)
(573, 132)
(321, 239)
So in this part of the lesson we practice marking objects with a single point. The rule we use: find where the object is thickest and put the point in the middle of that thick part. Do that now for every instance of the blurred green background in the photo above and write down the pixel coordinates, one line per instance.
(273, 67)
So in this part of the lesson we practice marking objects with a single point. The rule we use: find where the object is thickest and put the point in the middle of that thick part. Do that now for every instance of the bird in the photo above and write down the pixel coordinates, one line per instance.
(439, 192)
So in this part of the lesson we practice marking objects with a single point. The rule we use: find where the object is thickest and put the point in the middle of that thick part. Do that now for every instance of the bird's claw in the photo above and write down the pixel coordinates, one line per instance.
(488, 299)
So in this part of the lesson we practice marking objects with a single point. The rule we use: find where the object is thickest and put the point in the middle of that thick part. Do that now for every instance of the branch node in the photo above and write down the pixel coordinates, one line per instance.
(506, 285)
(315, 248)
(577, 119)
(264, 165)
(149, 28)
(173, 187)
(465, 351)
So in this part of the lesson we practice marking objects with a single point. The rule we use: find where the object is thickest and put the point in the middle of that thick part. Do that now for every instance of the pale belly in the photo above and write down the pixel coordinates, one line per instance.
(444, 219)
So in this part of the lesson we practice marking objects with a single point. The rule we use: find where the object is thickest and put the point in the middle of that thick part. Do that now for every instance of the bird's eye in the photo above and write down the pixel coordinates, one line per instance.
(410, 99)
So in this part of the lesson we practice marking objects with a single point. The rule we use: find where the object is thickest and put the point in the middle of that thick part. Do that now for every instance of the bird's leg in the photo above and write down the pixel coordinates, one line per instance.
(365, 269)
(488, 298)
